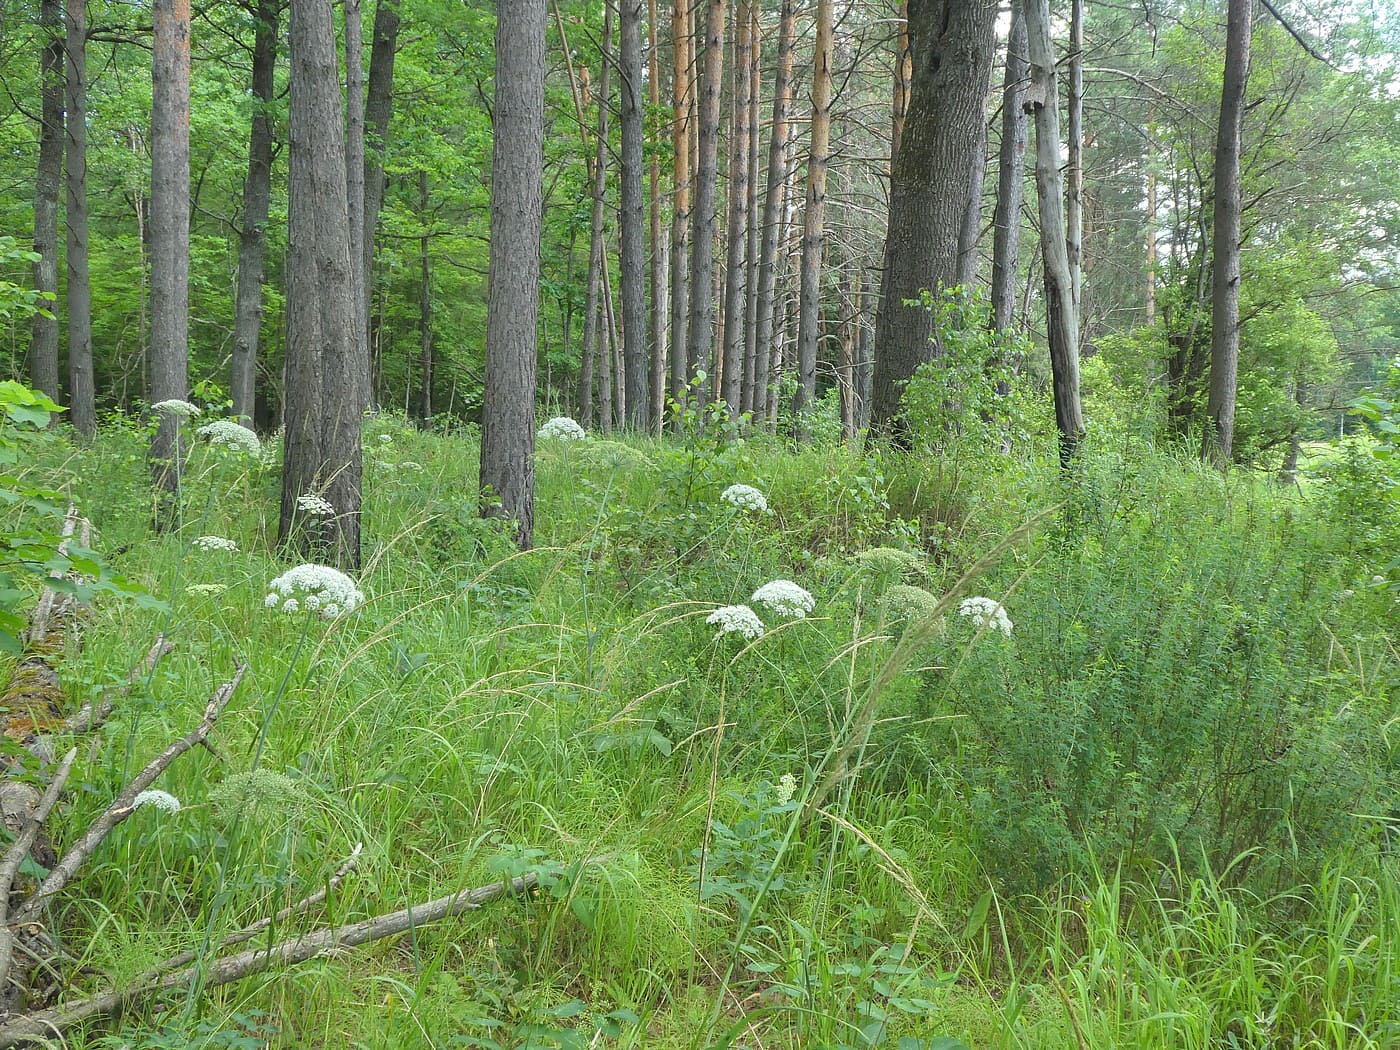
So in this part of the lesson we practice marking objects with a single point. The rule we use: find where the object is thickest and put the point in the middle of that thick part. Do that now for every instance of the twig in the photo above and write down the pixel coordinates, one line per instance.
(89, 718)
(43, 1025)
(122, 806)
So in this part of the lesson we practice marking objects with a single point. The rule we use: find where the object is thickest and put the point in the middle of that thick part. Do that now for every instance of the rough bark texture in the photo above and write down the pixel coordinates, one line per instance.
(930, 180)
(517, 183)
(170, 239)
(773, 202)
(702, 305)
(324, 394)
(660, 279)
(378, 107)
(1011, 174)
(632, 235)
(680, 208)
(82, 393)
(971, 232)
(736, 280)
(43, 347)
(1062, 323)
(1225, 271)
(252, 236)
(1074, 169)
(903, 78)
(355, 186)
(754, 232)
(813, 225)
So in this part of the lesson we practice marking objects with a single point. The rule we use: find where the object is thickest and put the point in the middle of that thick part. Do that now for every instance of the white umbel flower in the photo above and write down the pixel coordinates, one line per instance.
(318, 588)
(225, 433)
(175, 407)
(210, 589)
(161, 800)
(563, 428)
(214, 543)
(310, 503)
(738, 619)
(785, 598)
(986, 612)
(745, 497)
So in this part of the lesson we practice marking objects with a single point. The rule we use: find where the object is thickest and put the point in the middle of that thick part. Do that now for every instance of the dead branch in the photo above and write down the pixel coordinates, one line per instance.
(89, 717)
(44, 1024)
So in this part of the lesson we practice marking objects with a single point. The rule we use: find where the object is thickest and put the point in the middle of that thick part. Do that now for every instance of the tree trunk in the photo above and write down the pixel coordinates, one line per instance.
(43, 348)
(1062, 322)
(1225, 273)
(82, 391)
(903, 80)
(170, 241)
(1150, 253)
(1074, 170)
(930, 181)
(1288, 472)
(425, 307)
(257, 190)
(378, 106)
(700, 342)
(971, 232)
(773, 206)
(1011, 174)
(632, 239)
(736, 280)
(846, 369)
(680, 210)
(754, 231)
(355, 186)
(324, 393)
(659, 277)
(809, 307)
(517, 197)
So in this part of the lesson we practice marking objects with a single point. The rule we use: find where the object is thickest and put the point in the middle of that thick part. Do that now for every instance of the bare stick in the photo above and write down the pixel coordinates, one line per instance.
(43, 1025)
(89, 717)
(38, 630)
(122, 806)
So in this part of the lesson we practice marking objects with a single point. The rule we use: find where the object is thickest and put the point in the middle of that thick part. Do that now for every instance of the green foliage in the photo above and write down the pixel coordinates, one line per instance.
(18, 303)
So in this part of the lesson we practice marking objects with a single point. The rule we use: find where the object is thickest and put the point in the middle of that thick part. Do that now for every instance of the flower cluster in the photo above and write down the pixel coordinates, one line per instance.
(214, 543)
(889, 561)
(902, 604)
(744, 497)
(209, 589)
(563, 428)
(787, 787)
(986, 612)
(175, 407)
(310, 503)
(235, 437)
(738, 619)
(161, 800)
(785, 598)
(315, 588)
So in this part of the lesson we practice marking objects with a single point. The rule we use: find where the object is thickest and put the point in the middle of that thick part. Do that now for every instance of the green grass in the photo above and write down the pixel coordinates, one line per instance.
(1138, 822)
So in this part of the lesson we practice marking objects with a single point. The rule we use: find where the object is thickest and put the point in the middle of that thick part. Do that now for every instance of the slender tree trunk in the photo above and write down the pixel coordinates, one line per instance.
(170, 242)
(1288, 473)
(700, 342)
(378, 107)
(903, 80)
(257, 191)
(813, 223)
(680, 210)
(425, 307)
(659, 276)
(632, 239)
(1011, 174)
(754, 232)
(846, 369)
(1074, 171)
(736, 279)
(355, 185)
(971, 232)
(773, 208)
(82, 390)
(324, 402)
(1225, 273)
(1150, 255)
(1062, 323)
(43, 347)
(952, 44)
(865, 360)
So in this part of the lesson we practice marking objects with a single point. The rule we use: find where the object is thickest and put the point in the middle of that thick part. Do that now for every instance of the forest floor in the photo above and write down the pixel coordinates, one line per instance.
(1156, 808)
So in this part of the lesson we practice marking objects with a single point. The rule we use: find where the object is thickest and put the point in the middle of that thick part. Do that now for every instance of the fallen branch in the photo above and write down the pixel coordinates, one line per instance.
(43, 1025)
(89, 717)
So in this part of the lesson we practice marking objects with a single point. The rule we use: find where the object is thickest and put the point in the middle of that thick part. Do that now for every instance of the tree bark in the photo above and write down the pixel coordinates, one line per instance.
(1062, 322)
(1074, 169)
(257, 192)
(736, 280)
(632, 236)
(324, 401)
(43, 347)
(971, 230)
(680, 209)
(700, 342)
(754, 231)
(1011, 177)
(813, 222)
(517, 184)
(903, 80)
(378, 107)
(773, 207)
(930, 181)
(659, 277)
(1225, 273)
(82, 393)
(355, 186)
(170, 241)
